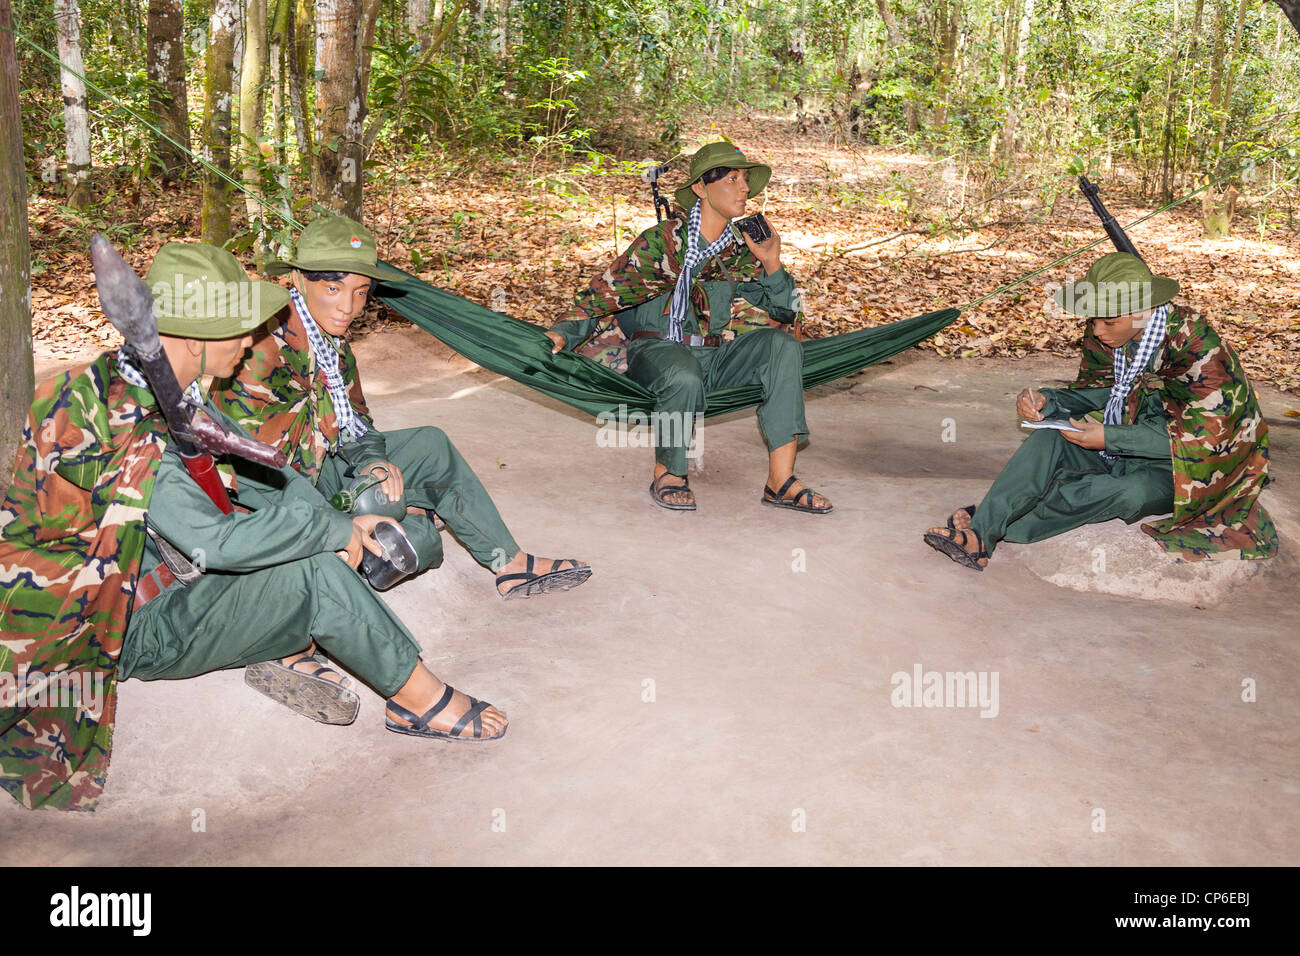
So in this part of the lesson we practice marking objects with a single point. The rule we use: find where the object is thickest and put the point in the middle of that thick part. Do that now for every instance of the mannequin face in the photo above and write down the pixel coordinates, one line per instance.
(728, 195)
(1117, 332)
(191, 359)
(222, 356)
(335, 303)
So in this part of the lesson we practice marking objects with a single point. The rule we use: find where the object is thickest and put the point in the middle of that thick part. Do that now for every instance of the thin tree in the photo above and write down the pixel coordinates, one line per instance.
(344, 31)
(1009, 128)
(252, 104)
(168, 101)
(417, 19)
(299, 36)
(76, 118)
(217, 77)
(16, 377)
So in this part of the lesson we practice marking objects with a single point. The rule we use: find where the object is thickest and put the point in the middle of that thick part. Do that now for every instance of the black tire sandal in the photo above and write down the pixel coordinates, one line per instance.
(778, 499)
(947, 543)
(557, 579)
(419, 726)
(660, 492)
(307, 692)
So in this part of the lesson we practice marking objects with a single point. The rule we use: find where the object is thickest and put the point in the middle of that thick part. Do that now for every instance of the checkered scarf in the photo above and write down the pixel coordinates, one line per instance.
(680, 308)
(351, 425)
(133, 375)
(1126, 372)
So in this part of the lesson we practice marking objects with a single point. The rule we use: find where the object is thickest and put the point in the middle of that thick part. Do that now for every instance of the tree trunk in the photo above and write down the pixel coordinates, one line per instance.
(1004, 70)
(252, 104)
(1166, 158)
(16, 377)
(281, 44)
(417, 21)
(501, 30)
(218, 74)
(279, 67)
(167, 98)
(299, 53)
(1219, 205)
(76, 119)
(947, 19)
(1010, 124)
(1216, 80)
(1022, 43)
(891, 23)
(1234, 61)
(343, 29)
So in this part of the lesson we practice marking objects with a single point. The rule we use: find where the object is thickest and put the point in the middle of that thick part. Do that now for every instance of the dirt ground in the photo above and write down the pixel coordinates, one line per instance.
(723, 689)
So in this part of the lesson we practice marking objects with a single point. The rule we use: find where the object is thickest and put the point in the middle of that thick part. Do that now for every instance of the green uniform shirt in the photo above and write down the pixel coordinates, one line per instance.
(766, 292)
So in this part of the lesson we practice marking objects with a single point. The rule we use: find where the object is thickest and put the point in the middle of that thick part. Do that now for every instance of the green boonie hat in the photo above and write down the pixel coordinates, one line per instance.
(337, 244)
(1118, 283)
(715, 155)
(202, 292)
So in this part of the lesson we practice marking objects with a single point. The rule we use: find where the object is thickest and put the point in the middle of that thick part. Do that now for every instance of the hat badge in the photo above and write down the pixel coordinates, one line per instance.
(355, 242)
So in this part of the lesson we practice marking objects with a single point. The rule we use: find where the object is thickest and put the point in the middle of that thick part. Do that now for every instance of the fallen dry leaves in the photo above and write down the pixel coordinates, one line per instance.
(494, 234)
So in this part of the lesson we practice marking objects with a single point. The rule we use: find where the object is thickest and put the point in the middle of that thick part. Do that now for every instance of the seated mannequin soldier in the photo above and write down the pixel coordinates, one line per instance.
(300, 391)
(673, 291)
(1180, 431)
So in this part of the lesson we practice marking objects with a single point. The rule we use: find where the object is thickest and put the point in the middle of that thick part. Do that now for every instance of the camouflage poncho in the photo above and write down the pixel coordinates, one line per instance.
(647, 270)
(281, 398)
(71, 539)
(1217, 434)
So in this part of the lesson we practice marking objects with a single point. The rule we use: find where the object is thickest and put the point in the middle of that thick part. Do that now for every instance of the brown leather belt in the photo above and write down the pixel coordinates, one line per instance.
(695, 341)
(153, 584)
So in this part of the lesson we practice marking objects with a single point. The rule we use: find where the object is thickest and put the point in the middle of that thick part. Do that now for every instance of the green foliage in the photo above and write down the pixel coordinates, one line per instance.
(555, 83)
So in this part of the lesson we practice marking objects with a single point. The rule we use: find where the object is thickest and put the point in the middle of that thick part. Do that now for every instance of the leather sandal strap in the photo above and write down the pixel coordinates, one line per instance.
(419, 723)
(662, 489)
(786, 487)
(476, 707)
(967, 534)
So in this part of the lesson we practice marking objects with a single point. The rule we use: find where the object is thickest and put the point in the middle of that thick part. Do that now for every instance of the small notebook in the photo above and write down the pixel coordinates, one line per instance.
(1060, 424)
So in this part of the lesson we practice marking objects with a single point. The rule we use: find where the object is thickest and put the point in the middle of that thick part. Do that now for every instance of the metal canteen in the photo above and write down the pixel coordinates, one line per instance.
(365, 496)
(398, 562)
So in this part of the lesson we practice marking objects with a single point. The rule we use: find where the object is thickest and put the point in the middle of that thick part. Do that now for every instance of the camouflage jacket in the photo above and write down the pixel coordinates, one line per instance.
(1217, 435)
(280, 397)
(72, 532)
(649, 269)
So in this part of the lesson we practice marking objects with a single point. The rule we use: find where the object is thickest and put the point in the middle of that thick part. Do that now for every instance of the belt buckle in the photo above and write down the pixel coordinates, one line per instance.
(697, 341)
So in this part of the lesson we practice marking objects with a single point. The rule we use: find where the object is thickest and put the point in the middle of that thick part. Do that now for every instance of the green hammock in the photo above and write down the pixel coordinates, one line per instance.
(521, 351)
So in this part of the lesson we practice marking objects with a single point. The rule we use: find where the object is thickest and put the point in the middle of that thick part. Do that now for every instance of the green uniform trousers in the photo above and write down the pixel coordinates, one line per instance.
(273, 584)
(680, 375)
(438, 478)
(1051, 486)
(225, 620)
